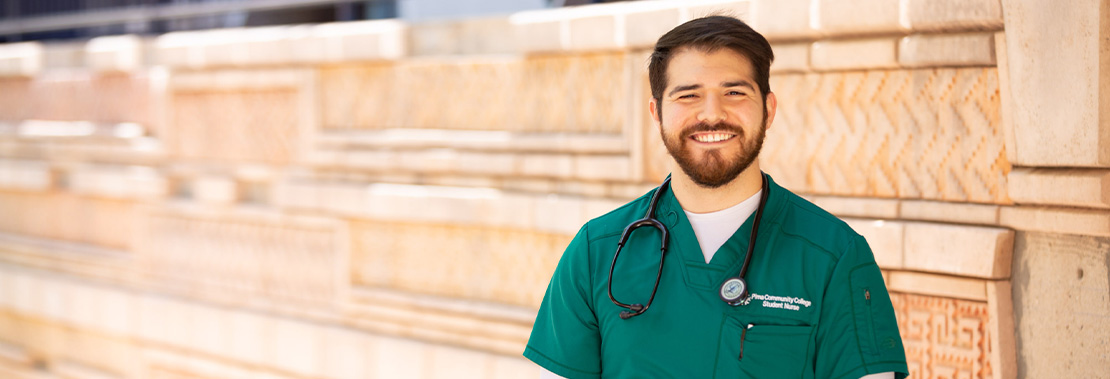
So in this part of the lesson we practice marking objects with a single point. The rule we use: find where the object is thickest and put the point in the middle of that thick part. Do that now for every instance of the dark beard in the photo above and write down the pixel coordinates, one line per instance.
(714, 171)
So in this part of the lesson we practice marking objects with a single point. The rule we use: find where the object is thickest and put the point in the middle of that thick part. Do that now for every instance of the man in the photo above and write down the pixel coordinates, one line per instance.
(815, 304)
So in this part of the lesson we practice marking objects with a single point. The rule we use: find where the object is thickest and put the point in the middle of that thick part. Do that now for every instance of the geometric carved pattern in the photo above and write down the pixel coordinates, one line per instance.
(944, 338)
(580, 93)
(500, 265)
(107, 98)
(62, 216)
(249, 125)
(913, 134)
(282, 262)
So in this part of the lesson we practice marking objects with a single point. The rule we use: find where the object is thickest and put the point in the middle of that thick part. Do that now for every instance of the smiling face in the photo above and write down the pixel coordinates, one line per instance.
(711, 115)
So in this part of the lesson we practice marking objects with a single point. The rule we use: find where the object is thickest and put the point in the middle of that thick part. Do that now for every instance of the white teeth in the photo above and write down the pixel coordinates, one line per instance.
(712, 137)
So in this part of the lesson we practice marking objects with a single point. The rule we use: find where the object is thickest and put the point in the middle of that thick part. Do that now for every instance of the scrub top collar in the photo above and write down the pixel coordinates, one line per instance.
(730, 256)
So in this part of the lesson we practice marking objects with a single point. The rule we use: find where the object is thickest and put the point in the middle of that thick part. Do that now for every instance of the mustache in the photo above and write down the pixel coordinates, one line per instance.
(715, 127)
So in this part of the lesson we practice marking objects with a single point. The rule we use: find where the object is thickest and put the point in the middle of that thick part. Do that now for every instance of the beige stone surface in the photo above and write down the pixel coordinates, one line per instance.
(886, 239)
(1091, 222)
(25, 175)
(540, 36)
(938, 285)
(135, 182)
(594, 33)
(1068, 187)
(953, 14)
(966, 251)
(875, 53)
(1060, 83)
(861, 17)
(488, 35)
(790, 57)
(1060, 304)
(912, 134)
(947, 50)
(21, 59)
(856, 206)
(945, 337)
(643, 28)
(114, 53)
(1003, 347)
(782, 19)
(958, 213)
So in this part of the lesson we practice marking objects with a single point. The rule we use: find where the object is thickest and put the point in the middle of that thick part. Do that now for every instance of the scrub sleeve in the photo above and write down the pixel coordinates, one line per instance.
(857, 333)
(565, 338)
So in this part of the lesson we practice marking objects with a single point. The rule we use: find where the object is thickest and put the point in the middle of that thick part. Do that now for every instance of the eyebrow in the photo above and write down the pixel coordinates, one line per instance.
(738, 83)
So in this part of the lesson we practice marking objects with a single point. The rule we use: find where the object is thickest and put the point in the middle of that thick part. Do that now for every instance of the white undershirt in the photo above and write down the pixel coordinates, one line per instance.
(713, 229)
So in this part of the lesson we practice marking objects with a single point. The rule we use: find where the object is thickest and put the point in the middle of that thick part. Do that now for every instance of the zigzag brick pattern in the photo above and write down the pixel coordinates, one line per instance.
(915, 134)
(62, 216)
(241, 126)
(944, 338)
(479, 263)
(287, 264)
(572, 93)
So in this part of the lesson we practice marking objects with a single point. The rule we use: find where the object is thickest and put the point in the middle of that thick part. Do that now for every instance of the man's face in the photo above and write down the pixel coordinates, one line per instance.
(713, 118)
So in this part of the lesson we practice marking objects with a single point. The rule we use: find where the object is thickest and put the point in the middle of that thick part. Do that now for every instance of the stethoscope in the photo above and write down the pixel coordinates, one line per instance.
(733, 291)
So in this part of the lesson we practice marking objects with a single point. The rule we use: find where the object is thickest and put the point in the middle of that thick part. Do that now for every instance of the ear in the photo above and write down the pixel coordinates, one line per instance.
(772, 105)
(653, 107)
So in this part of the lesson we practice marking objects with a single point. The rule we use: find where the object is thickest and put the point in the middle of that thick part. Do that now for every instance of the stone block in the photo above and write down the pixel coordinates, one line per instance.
(970, 49)
(938, 285)
(115, 314)
(207, 329)
(858, 206)
(1004, 345)
(1068, 187)
(21, 59)
(738, 9)
(643, 28)
(859, 17)
(1059, 86)
(216, 190)
(500, 164)
(1060, 304)
(885, 239)
(558, 214)
(539, 36)
(941, 211)
(346, 353)
(602, 167)
(134, 182)
(393, 350)
(453, 362)
(114, 53)
(248, 336)
(512, 367)
(594, 33)
(1056, 220)
(947, 15)
(876, 53)
(547, 165)
(973, 251)
(294, 346)
(790, 57)
(782, 19)
(25, 175)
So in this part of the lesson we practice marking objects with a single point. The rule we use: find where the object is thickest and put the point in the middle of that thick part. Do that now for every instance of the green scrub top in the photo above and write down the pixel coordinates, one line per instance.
(818, 306)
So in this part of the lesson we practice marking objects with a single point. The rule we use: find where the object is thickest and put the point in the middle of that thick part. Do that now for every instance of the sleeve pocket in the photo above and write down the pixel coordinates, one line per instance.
(873, 313)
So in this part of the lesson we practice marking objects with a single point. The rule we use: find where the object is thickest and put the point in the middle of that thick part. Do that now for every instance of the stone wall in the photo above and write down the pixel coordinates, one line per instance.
(389, 199)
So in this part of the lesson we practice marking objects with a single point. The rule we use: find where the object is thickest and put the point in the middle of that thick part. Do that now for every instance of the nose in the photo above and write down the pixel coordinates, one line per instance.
(712, 111)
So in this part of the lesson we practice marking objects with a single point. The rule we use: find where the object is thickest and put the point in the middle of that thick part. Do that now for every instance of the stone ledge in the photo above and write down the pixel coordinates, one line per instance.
(968, 251)
(25, 175)
(939, 15)
(947, 50)
(133, 182)
(859, 17)
(115, 53)
(493, 141)
(21, 59)
(301, 44)
(875, 53)
(1056, 220)
(938, 285)
(1089, 188)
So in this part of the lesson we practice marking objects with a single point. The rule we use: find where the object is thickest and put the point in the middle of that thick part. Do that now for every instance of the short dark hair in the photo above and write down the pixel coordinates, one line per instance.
(709, 34)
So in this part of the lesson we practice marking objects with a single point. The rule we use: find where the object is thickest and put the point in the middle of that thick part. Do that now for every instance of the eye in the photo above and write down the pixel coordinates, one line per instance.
(687, 96)
(736, 93)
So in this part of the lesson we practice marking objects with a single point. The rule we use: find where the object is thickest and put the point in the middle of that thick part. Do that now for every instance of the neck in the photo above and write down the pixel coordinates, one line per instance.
(698, 199)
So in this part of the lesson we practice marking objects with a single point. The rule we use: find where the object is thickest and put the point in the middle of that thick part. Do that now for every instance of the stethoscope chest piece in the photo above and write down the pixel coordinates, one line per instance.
(734, 291)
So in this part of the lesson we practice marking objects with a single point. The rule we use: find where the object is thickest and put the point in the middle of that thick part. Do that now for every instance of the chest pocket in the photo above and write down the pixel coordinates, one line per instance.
(763, 351)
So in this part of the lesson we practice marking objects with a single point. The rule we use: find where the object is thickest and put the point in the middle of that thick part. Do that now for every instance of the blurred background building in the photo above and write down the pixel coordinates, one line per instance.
(381, 189)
